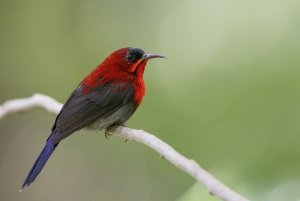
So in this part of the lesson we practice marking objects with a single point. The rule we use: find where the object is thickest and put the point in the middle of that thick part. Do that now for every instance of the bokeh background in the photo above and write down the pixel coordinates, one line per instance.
(227, 96)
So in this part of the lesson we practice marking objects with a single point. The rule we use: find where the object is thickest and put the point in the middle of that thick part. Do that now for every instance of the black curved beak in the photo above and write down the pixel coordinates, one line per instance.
(151, 56)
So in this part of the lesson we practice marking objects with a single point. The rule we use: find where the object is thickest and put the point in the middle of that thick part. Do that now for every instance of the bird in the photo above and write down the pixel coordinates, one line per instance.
(106, 97)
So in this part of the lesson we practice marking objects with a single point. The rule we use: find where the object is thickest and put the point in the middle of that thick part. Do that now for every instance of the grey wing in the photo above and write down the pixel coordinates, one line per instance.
(82, 110)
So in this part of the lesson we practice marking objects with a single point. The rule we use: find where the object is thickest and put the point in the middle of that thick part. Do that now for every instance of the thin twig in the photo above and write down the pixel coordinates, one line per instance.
(25, 104)
(214, 186)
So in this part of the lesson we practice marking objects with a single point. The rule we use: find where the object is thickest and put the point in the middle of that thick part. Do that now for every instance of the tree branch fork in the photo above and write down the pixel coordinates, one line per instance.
(191, 167)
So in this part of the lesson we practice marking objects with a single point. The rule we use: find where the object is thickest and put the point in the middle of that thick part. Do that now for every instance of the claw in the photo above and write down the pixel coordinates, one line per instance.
(106, 133)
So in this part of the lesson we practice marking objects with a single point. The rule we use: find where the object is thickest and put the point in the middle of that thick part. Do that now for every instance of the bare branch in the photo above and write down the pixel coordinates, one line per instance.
(214, 186)
(189, 166)
(25, 104)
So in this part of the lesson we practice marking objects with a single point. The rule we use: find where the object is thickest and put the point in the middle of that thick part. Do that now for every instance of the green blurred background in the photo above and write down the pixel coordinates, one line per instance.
(227, 96)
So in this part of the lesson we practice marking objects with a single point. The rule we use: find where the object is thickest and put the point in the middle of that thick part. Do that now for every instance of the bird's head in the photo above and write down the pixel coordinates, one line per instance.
(118, 65)
(132, 60)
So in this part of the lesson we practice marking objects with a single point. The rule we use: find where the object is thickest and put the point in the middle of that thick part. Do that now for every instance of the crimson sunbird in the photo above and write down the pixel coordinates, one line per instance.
(106, 97)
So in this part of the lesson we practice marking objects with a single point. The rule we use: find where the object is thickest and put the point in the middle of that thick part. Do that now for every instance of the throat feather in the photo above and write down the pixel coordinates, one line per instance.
(139, 90)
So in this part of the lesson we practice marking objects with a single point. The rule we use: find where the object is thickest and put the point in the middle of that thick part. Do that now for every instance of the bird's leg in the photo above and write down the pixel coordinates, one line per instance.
(106, 131)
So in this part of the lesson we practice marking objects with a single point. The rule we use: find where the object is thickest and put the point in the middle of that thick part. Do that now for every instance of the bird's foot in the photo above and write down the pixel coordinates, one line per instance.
(107, 133)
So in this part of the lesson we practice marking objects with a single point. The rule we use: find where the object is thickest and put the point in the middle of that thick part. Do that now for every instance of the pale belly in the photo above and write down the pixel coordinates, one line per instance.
(117, 118)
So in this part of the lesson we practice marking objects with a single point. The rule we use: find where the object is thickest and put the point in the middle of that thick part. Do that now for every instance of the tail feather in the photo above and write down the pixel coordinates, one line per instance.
(40, 161)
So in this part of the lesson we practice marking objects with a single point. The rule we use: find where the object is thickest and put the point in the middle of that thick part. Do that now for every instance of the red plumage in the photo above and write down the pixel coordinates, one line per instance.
(108, 96)
(116, 69)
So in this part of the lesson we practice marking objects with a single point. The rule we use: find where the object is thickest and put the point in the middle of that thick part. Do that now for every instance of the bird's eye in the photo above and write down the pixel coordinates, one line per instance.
(131, 57)
(134, 54)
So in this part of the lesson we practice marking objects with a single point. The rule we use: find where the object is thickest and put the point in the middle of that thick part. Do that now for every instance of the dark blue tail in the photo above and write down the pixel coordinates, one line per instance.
(40, 161)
